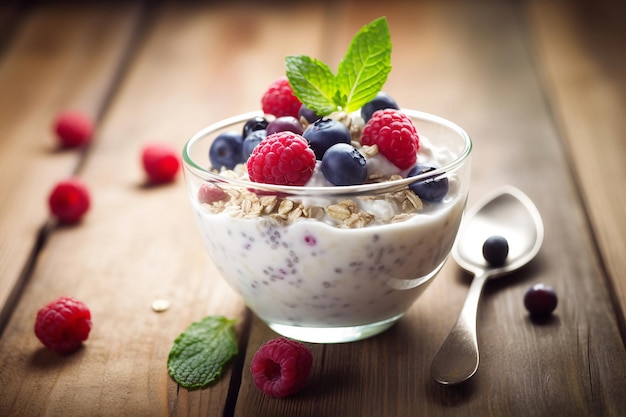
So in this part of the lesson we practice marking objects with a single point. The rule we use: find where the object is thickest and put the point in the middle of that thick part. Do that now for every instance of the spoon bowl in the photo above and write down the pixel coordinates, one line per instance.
(506, 212)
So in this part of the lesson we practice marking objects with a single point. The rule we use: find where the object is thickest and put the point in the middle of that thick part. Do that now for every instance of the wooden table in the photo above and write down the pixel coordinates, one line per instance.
(539, 85)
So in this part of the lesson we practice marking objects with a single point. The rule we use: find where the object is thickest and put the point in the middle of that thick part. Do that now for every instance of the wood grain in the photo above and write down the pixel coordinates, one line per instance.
(472, 65)
(523, 78)
(581, 51)
(144, 238)
(58, 59)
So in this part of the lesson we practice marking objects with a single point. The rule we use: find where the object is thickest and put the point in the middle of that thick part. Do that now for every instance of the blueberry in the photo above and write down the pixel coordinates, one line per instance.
(429, 189)
(251, 141)
(324, 133)
(256, 123)
(284, 123)
(225, 150)
(540, 300)
(381, 101)
(495, 250)
(343, 164)
(308, 114)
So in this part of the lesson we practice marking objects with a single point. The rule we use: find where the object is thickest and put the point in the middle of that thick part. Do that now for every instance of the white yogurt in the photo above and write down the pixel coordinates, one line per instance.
(311, 273)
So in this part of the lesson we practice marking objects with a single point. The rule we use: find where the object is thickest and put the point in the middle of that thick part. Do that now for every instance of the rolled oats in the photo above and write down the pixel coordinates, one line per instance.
(285, 207)
(338, 212)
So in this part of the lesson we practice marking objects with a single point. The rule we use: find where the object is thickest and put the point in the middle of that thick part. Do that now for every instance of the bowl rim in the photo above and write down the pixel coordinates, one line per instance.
(194, 168)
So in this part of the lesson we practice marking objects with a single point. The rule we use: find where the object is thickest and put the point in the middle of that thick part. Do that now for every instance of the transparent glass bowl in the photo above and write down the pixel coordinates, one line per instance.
(328, 283)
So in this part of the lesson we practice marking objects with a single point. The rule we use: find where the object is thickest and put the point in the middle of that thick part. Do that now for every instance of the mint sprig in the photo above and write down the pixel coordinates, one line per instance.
(360, 76)
(201, 351)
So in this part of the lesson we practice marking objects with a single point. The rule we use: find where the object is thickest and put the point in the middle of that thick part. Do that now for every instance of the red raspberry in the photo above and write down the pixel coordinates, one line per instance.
(279, 99)
(69, 200)
(395, 135)
(73, 129)
(282, 158)
(209, 193)
(160, 162)
(281, 367)
(63, 325)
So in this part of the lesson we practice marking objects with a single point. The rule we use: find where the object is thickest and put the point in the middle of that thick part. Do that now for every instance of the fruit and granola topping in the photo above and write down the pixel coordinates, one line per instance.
(395, 135)
(371, 139)
(283, 158)
(279, 99)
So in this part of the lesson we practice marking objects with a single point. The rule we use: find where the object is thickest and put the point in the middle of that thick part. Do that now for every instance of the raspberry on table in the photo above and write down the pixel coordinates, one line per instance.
(160, 162)
(283, 158)
(281, 367)
(63, 325)
(73, 129)
(395, 135)
(279, 99)
(69, 200)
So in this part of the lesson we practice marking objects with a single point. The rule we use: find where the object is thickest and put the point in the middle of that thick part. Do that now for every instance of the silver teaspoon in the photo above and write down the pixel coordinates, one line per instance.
(507, 212)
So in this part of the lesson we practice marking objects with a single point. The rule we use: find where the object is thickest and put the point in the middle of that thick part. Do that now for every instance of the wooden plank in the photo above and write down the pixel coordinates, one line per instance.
(581, 52)
(10, 15)
(138, 243)
(470, 63)
(57, 60)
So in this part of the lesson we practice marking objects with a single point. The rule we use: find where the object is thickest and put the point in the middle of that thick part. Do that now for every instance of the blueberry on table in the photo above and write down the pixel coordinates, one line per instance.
(256, 123)
(495, 250)
(324, 133)
(226, 150)
(343, 164)
(430, 189)
(540, 300)
(380, 102)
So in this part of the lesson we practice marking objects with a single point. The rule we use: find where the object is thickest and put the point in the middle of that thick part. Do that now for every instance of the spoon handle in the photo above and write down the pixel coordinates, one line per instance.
(457, 358)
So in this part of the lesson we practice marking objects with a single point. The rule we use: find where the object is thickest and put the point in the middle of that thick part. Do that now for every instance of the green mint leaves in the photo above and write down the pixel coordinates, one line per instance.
(361, 74)
(313, 83)
(200, 352)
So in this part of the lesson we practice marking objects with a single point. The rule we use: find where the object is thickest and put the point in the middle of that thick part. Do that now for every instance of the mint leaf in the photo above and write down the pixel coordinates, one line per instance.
(312, 82)
(200, 352)
(363, 70)
(361, 74)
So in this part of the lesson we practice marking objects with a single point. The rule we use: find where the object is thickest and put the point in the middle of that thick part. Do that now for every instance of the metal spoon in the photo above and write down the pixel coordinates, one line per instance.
(507, 212)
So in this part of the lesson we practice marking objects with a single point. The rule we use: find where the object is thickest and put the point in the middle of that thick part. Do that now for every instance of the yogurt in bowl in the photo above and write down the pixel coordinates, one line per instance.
(323, 263)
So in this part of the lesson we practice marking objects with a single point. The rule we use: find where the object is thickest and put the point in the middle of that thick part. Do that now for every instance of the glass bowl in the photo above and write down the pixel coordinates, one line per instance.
(330, 264)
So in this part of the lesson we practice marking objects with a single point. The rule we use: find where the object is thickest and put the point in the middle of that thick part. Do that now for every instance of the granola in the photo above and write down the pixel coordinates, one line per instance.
(349, 214)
